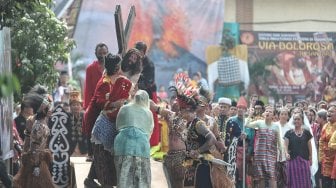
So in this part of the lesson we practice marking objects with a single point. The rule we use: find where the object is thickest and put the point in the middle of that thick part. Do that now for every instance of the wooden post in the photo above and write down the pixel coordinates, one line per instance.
(123, 35)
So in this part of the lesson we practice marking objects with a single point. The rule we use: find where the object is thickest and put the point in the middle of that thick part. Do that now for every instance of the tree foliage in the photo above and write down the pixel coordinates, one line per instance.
(10, 10)
(38, 41)
(8, 84)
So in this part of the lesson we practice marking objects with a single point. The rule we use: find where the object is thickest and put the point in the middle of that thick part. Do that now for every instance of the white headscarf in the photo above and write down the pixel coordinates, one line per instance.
(141, 98)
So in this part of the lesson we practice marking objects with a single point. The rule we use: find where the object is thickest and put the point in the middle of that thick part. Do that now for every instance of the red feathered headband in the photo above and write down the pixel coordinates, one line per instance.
(186, 92)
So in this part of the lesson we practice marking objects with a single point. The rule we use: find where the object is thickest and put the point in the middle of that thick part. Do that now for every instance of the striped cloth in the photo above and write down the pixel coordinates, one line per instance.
(265, 156)
(298, 173)
(104, 132)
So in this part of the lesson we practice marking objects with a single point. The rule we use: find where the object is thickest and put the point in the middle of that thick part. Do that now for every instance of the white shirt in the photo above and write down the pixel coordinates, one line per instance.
(283, 130)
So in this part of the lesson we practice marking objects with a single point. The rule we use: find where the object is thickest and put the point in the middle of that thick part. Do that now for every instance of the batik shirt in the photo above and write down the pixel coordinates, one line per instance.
(326, 154)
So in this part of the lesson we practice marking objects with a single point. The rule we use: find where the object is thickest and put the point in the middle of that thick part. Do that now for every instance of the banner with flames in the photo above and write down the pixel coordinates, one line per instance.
(290, 63)
(177, 33)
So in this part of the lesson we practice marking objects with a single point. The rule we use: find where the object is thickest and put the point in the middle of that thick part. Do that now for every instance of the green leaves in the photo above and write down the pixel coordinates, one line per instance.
(38, 41)
(8, 84)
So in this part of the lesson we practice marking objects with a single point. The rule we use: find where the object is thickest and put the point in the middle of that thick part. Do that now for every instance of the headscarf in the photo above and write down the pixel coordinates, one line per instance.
(141, 98)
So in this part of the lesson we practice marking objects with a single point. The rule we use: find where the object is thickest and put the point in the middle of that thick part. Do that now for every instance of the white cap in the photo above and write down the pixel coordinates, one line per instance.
(224, 100)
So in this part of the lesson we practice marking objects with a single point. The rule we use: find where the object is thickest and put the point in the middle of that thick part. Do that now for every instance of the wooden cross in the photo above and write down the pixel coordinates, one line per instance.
(123, 35)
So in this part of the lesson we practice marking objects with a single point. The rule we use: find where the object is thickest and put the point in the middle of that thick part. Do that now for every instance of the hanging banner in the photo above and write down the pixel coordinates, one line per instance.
(177, 33)
(290, 63)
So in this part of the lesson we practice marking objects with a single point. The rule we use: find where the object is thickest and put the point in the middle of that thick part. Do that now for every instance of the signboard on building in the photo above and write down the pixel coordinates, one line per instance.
(290, 63)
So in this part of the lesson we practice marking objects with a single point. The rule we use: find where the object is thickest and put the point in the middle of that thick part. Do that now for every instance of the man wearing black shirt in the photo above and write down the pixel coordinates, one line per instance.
(147, 82)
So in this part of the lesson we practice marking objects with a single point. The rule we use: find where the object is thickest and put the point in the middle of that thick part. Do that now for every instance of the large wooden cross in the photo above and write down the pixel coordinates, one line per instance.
(123, 35)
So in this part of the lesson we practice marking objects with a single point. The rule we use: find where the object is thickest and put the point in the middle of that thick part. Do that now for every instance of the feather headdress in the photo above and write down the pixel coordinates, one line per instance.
(186, 92)
(205, 97)
(184, 85)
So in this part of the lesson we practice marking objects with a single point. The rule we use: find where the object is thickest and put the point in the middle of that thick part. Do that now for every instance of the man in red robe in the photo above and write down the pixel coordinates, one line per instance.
(94, 72)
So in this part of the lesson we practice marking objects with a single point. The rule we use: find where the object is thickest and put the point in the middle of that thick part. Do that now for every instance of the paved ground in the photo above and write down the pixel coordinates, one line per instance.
(158, 177)
(81, 168)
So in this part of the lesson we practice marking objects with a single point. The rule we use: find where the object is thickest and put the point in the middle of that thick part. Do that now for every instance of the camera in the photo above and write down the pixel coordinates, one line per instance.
(17, 147)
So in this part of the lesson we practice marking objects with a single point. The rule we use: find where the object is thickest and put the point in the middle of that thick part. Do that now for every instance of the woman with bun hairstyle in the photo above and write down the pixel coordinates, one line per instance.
(36, 157)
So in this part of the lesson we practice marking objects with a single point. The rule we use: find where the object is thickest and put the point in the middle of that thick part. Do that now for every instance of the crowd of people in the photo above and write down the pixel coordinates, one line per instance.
(217, 144)
(290, 145)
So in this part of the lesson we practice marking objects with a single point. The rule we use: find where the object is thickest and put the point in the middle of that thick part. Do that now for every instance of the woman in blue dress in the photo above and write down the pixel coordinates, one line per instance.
(131, 146)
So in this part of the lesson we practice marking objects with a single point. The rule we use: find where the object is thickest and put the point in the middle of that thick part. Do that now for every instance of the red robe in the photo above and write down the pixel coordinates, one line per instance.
(155, 137)
(147, 82)
(121, 89)
(93, 74)
(97, 103)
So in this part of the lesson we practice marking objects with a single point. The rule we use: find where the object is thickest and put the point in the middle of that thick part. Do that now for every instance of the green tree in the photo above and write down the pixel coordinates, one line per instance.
(8, 84)
(38, 41)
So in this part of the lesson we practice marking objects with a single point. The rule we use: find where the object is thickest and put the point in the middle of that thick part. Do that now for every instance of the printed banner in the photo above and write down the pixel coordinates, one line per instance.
(290, 63)
(177, 33)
